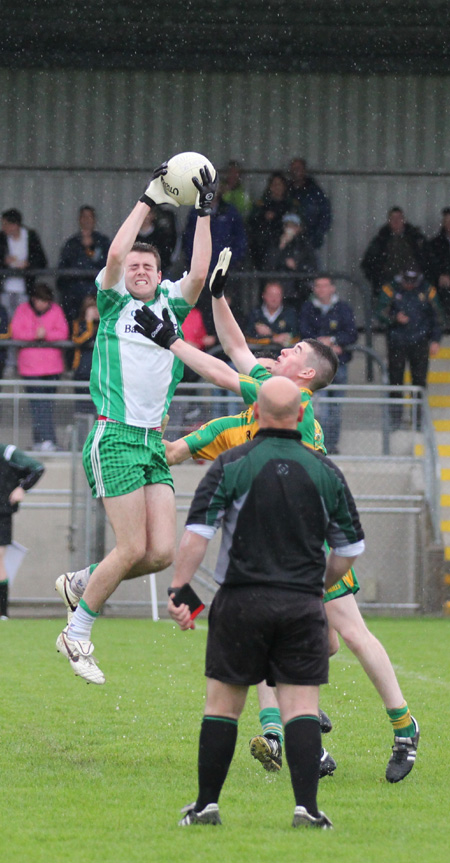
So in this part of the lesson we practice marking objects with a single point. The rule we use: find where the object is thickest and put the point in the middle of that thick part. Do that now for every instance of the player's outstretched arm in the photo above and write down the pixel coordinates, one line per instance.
(192, 284)
(126, 235)
(162, 332)
(177, 451)
(231, 336)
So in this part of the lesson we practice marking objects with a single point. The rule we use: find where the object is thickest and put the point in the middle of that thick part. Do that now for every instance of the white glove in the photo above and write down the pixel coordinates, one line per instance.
(219, 273)
(154, 193)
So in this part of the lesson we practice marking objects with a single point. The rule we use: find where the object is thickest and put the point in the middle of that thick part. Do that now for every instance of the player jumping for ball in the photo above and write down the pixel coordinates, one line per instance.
(123, 456)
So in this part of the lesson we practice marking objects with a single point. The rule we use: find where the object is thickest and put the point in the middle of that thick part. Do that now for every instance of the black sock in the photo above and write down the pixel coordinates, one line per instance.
(303, 747)
(3, 598)
(218, 737)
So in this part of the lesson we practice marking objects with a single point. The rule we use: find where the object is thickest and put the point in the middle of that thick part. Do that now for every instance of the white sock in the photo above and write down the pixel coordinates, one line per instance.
(79, 580)
(80, 626)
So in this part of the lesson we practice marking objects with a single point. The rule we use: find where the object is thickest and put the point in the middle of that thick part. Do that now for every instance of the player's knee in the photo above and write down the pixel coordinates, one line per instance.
(333, 642)
(162, 559)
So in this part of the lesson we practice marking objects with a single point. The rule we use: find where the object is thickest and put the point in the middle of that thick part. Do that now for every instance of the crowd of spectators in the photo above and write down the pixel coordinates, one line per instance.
(278, 236)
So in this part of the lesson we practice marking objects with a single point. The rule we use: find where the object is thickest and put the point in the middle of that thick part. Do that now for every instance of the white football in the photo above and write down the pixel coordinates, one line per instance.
(180, 171)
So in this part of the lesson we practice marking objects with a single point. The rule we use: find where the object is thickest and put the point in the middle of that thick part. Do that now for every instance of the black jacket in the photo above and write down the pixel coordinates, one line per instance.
(37, 259)
(374, 260)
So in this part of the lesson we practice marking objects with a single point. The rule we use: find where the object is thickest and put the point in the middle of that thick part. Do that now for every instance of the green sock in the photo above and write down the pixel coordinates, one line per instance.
(270, 719)
(92, 567)
(401, 721)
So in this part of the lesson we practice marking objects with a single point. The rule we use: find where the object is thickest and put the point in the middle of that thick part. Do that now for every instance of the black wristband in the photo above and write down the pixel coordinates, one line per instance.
(174, 590)
(146, 200)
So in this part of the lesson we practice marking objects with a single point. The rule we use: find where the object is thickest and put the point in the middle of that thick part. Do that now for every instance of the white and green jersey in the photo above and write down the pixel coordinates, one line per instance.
(133, 379)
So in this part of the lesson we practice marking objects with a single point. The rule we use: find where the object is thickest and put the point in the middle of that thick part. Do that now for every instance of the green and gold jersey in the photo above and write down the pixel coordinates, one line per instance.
(223, 433)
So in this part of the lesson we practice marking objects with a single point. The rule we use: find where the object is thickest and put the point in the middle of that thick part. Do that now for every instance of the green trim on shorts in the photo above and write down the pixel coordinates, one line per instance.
(119, 459)
(347, 584)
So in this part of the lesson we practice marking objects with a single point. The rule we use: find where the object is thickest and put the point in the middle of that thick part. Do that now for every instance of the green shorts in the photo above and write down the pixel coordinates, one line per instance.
(118, 459)
(347, 584)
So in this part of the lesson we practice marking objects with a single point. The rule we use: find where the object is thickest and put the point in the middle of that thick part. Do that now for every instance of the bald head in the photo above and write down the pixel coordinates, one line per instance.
(279, 404)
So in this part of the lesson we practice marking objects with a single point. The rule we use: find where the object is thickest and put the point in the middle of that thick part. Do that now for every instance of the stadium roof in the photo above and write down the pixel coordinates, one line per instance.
(345, 36)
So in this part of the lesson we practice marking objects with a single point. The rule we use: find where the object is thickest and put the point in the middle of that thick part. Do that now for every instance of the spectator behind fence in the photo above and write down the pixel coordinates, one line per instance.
(227, 230)
(331, 321)
(84, 333)
(20, 248)
(85, 250)
(233, 189)
(398, 246)
(41, 319)
(4, 334)
(292, 253)
(18, 473)
(439, 249)
(265, 222)
(311, 202)
(159, 229)
(272, 321)
(409, 310)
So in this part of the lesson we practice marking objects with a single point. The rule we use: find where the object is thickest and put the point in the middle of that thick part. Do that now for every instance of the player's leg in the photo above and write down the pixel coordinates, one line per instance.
(160, 530)
(3, 585)
(5, 539)
(268, 747)
(218, 735)
(127, 515)
(299, 707)
(344, 615)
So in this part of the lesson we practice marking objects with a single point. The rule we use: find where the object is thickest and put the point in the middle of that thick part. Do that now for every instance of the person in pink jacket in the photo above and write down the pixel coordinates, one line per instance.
(41, 319)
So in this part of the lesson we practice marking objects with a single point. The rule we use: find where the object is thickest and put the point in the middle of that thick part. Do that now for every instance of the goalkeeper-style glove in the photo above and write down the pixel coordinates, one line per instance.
(162, 332)
(206, 191)
(154, 193)
(220, 273)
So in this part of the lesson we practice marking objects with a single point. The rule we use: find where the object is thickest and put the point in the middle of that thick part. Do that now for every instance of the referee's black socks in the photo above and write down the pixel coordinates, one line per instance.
(218, 737)
(303, 747)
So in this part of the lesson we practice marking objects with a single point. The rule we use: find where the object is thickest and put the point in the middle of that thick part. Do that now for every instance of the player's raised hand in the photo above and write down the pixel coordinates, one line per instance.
(162, 332)
(220, 273)
(155, 193)
(206, 191)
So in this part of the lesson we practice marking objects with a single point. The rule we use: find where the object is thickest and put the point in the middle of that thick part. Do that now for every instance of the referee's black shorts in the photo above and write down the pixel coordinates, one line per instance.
(5, 529)
(267, 633)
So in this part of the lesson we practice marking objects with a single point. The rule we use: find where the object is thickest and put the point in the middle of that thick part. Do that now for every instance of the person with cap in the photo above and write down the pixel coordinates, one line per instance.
(20, 249)
(409, 309)
(293, 254)
(439, 248)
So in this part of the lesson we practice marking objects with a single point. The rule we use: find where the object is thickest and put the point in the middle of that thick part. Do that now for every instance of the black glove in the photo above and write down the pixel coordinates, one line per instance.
(206, 191)
(162, 332)
(154, 193)
(220, 273)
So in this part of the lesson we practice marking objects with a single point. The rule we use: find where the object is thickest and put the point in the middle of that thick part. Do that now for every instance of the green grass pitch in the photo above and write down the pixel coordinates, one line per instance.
(98, 774)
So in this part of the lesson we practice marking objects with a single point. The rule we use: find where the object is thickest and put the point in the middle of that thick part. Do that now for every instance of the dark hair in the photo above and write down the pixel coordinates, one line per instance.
(327, 364)
(149, 249)
(13, 216)
(87, 207)
(446, 211)
(323, 275)
(395, 210)
(42, 291)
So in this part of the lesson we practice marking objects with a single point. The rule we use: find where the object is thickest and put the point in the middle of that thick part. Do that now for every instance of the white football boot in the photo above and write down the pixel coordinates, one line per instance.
(79, 654)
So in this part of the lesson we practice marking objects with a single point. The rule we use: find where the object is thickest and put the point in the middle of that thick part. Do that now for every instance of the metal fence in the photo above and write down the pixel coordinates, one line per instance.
(393, 474)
